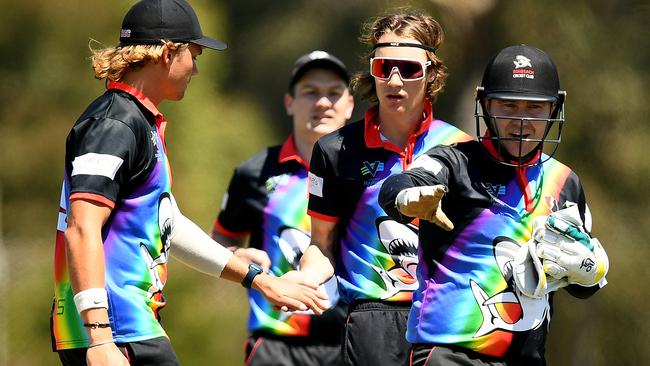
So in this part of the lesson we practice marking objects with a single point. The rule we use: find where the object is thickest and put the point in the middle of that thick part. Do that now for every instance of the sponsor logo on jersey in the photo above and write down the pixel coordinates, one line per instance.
(495, 189)
(272, 183)
(315, 184)
(96, 164)
(368, 168)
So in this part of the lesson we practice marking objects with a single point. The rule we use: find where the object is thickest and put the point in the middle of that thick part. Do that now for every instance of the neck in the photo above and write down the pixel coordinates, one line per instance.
(397, 126)
(145, 80)
(304, 146)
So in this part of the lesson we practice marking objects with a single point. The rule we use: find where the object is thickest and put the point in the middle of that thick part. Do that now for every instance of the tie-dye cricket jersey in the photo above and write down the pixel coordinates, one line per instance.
(376, 256)
(467, 296)
(115, 156)
(267, 199)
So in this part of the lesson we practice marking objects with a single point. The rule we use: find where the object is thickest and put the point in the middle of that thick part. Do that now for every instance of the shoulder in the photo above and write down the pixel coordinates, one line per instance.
(349, 136)
(447, 133)
(264, 160)
(458, 149)
(116, 109)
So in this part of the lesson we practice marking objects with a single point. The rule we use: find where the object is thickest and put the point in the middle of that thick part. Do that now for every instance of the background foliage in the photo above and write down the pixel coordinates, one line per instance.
(233, 108)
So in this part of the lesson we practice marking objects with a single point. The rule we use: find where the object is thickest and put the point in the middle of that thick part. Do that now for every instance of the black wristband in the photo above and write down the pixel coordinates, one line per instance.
(253, 270)
(96, 325)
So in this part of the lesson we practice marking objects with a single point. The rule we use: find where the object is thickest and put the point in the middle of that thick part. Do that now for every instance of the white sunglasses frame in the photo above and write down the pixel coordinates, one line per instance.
(422, 63)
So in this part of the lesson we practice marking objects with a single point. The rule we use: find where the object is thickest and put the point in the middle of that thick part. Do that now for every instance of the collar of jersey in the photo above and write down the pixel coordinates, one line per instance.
(289, 152)
(372, 133)
(161, 123)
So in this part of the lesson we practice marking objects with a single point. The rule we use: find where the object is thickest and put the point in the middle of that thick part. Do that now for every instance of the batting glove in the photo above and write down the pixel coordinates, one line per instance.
(528, 272)
(567, 251)
(424, 203)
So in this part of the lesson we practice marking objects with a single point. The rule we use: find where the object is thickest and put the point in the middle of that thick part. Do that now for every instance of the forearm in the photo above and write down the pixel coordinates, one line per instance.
(85, 260)
(317, 262)
(195, 248)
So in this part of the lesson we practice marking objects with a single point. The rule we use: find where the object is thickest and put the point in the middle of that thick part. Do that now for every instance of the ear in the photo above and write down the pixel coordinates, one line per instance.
(431, 76)
(288, 104)
(166, 57)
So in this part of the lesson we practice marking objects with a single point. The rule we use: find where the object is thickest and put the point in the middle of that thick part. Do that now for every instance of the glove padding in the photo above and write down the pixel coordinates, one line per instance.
(529, 273)
(424, 202)
(567, 251)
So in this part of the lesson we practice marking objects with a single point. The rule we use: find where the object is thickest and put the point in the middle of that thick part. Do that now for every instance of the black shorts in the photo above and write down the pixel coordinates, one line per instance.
(150, 352)
(375, 334)
(277, 351)
(447, 355)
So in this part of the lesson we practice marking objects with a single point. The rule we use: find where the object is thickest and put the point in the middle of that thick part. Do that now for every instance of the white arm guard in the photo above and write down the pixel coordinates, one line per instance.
(194, 247)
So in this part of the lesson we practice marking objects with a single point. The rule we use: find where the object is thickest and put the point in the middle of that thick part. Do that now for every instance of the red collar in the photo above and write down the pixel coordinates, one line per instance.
(289, 152)
(161, 123)
(373, 135)
(522, 180)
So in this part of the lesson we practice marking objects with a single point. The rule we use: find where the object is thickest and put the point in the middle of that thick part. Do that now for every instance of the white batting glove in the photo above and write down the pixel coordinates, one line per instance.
(567, 251)
(529, 274)
(424, 203)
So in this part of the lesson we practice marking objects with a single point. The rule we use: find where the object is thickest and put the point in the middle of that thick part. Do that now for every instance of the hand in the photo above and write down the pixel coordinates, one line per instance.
(528, 271)
(424, 202)
(329, 287)
(253, 255)
(575, 261)
(106, 354)
(294, 294)
(567, 251)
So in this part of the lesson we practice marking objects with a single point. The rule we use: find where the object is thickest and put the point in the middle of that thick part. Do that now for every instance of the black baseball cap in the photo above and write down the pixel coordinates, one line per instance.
(317, 59)
(521, 72)
(150, 21)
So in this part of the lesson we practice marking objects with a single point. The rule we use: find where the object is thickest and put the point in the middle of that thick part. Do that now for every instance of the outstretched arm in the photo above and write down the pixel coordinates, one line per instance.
(317, 261)
(195, 248)
(403, 200)
(237, 246)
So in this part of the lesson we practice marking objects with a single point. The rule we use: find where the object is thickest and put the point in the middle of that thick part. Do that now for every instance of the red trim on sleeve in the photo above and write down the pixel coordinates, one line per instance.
(322, 217)
(94, 197)
(233, 234)
(289, 152)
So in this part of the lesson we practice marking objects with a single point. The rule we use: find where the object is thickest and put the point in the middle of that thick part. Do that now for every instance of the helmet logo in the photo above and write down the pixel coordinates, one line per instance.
(522, 61)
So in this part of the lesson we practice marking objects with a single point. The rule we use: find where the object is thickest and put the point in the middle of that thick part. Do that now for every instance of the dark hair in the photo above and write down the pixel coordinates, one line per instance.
(404, 22)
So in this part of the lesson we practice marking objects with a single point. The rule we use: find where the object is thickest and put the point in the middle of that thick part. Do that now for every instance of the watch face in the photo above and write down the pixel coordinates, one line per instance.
(256, 267)
(253, 270)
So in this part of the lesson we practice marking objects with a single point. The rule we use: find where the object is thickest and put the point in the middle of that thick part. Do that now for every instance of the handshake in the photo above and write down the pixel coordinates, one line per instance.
(560, 253)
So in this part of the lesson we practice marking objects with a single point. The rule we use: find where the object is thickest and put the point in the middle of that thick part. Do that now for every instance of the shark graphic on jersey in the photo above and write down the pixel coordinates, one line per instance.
(157, 269)
(508, 310)
(401, 242)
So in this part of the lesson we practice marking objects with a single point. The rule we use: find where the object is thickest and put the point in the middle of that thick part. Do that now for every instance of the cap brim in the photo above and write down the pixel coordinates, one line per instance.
(321, 63)
(211, 43)
(522, 96)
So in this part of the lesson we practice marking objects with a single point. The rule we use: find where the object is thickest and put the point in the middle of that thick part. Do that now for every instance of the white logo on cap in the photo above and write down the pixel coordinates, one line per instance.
(522, 61)
(125, 33)
(318, 55)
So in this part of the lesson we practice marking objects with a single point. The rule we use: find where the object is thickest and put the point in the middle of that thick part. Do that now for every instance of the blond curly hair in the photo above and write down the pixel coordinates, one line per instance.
(404, 22)
(113, 62)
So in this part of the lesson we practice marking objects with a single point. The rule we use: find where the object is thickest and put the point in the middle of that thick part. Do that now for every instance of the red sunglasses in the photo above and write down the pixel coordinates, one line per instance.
(408, 70)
